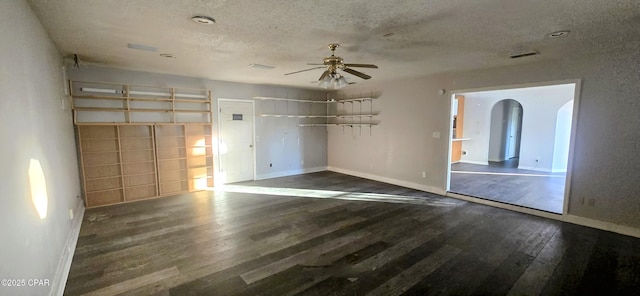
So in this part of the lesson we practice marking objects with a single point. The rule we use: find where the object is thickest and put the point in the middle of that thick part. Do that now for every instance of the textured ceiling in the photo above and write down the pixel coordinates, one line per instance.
(404, 38)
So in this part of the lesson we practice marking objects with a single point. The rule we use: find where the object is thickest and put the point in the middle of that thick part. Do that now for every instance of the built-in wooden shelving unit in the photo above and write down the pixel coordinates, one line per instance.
(96, 102)
(139, 142)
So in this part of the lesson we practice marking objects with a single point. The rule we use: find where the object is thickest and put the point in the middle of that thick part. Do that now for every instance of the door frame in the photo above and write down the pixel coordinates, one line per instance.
(253, 130)
(572, 143)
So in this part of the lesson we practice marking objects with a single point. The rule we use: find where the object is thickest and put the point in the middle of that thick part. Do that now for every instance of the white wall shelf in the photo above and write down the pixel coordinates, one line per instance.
(349, 114)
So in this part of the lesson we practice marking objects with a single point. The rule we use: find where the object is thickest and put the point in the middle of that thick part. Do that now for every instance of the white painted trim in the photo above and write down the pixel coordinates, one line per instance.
(500, 205)
(572, 144)
(406, 184)
(576, 102)
(607, 226)
(512, 86)
(539, 169)
(253, 131)
(291, 172)
(474, 162)
(64, 264)
(558, 171)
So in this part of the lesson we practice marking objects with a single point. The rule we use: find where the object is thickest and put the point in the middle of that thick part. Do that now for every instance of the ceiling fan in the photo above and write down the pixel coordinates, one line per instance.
(331, 77)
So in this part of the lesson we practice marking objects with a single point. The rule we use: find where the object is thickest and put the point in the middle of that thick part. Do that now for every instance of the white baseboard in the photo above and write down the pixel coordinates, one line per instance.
(64, 265)
(474, 162)
(392, 181)
(290, 173)
(539, 169)
(607, 226)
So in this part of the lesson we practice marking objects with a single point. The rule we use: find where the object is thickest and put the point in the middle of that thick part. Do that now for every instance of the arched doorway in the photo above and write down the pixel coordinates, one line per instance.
(505, 133)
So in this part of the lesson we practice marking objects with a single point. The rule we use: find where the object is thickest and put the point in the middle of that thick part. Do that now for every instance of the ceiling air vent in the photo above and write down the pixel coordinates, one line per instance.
(524, 54)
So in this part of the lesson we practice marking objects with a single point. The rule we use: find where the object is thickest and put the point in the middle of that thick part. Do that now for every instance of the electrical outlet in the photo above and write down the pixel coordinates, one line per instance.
(302, 162)
(424, 174)
(70, 214)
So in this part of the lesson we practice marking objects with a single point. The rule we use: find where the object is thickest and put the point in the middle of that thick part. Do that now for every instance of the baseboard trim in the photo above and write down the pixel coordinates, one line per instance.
(505, 206)
(607, 226)
(64, 265)
(392, 181)
(474, 162)
(535, 169)
(291, 173)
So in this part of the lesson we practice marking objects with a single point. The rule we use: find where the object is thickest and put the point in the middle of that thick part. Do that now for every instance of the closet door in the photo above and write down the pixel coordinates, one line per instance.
(101, 166)
(138, 161)
(171, 154)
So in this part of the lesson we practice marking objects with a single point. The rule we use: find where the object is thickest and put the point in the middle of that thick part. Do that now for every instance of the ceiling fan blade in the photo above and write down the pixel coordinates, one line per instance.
(304, 70)
(315, 64)
(356, 73)
(325, 74)
(361, 66)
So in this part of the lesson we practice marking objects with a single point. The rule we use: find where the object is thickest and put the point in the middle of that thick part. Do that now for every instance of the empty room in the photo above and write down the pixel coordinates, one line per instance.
(209, 147)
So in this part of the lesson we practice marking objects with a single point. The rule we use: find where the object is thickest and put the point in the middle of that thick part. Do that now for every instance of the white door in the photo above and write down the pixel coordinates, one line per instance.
(236, 140)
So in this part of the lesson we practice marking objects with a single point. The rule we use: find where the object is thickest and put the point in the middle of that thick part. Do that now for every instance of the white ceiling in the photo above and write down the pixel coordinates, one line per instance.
(428, 36)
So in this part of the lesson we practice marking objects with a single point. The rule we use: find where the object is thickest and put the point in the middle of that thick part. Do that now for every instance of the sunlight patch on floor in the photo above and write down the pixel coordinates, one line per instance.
(358, 196)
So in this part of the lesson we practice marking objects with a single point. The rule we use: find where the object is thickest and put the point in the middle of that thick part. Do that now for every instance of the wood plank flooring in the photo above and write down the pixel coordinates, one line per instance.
(232, 243)
(536, 192)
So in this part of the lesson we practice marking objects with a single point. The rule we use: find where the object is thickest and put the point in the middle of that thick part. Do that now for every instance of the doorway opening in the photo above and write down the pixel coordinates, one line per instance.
(505, 134)
(513, 145)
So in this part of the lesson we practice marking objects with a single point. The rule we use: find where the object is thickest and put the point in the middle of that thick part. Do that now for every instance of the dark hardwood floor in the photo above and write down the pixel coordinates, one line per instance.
(504, 183)
(234, 243)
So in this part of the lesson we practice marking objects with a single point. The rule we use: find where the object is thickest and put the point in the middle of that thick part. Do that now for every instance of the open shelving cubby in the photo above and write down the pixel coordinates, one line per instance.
(138, 142)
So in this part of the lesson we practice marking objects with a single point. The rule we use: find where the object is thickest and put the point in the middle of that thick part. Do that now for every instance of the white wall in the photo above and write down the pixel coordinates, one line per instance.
(279, 141)
(34, 126)
(540, 106)
(605, 159)
(563, 133)
(498, 128)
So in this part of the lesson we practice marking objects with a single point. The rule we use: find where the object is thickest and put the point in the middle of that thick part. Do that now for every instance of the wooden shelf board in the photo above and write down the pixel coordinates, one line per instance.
(99, 165)
(192, 111)
(86, 138)
(132, 150)
(98, 109)
(291, 100)
(192, 101)
(135, 162)
(89, 97)
(149, 110)
(140, 185)
(178, 158)
(104, 190)
(102, 178)
(139, 174)
(94, 152)
(150, 99)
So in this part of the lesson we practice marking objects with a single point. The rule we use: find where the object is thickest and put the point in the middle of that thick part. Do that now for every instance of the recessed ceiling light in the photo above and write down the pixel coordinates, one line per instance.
(260, 66)
(557, 34)
(201, 19)
(167, 55)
